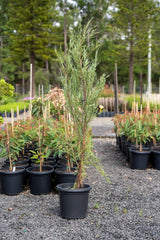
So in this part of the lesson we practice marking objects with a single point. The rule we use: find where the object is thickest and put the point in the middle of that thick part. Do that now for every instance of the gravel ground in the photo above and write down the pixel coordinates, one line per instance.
(127, 208)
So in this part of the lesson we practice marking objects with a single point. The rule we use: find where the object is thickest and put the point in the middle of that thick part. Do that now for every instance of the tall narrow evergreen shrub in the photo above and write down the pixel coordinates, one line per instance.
(81, 89)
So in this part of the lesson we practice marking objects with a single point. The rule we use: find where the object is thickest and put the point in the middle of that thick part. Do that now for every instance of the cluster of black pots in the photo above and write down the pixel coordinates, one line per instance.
(2, 114)
(73, 202)
(107, 114)
(148, 157)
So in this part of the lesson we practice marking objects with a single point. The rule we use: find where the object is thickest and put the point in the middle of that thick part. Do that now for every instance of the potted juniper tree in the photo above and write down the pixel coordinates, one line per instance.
(81, 89)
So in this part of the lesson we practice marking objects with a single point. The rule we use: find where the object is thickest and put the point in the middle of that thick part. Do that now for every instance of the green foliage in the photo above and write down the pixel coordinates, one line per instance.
(6, 100)
(81, 90)
(6, 89)
(37, 108)
(132, 20)
(14, 105)
(42, 79)
(33, 32)
(33, 23)
(11, 144)
(61, 138)
(129, 99)
(138, 128)
(107, 91)
(1, 120)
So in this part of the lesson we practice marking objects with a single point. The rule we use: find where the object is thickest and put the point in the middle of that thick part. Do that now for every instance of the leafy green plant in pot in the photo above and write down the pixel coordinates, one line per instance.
(81, 89)
(12, 178)
(40, 176)
(62, 138)
(140, 133)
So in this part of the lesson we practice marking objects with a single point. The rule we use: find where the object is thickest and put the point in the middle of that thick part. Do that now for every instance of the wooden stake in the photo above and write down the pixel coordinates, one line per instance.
(49, 109)
(141, 110)
(8, 145)
(45, 113)
(156, 115)
(17, 115)
(30, 111)
(134, 93)
(116, 88)
(42, 94)
(24, 116)
(39, 90)
(12, 119)
(30, 83)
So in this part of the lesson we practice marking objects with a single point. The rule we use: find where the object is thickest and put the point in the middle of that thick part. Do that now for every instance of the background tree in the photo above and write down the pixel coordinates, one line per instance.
(6, 68)
(67, 16)
(133, 19)
(31, 31)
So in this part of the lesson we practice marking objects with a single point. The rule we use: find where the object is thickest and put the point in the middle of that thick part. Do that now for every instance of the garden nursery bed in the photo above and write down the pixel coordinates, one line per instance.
(126, 208)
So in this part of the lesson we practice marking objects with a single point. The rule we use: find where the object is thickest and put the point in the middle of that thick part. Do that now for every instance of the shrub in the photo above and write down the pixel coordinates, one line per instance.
(107, 91)
(6, 89)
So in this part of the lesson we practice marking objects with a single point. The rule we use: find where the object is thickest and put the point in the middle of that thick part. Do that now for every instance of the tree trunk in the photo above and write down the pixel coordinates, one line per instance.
(47, 66)
(32, 59)
(131, 68)
(141, 87)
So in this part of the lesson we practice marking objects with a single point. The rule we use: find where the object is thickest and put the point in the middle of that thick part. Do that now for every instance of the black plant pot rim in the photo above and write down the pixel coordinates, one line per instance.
(44, 165)
(45, 161)
(17, 166)
(139, 152)
(156, 150)
(67, 187)
(35, 170)
(18, 161)
(18, 170)
(59, 171)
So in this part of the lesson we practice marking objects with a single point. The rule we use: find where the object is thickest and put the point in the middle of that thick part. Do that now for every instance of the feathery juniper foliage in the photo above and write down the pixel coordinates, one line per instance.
(81, 90)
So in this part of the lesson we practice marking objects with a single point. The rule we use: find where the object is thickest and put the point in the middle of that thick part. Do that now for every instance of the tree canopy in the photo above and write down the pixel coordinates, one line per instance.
(31, 31)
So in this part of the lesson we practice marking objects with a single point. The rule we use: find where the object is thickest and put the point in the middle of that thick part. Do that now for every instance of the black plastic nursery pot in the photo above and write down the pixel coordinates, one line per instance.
(155, 158)
(40, 182)
(62, 164)
(20, 160)
(139, 159)
(111, 114)
(122, 142)
(100, 114)
(127, 145)
(73, 202)
(64, 177)
(12, 182)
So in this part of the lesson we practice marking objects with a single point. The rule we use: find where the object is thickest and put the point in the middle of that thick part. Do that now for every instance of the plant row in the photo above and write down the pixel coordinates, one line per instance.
(138, 134)
(14, 106)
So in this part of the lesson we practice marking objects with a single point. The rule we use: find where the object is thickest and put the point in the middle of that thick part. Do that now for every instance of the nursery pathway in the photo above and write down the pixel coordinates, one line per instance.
(102, 127)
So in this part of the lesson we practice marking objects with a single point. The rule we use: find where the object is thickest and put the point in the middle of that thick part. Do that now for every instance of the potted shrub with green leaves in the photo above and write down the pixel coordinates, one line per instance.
(40, 176)
(62, 140)
(139, 157)
(81, 89)
(136, 127)
(12, 177)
